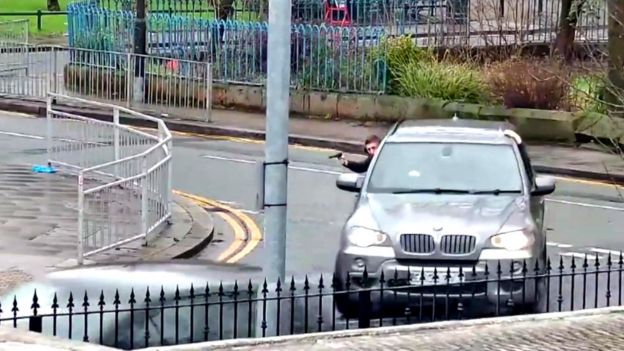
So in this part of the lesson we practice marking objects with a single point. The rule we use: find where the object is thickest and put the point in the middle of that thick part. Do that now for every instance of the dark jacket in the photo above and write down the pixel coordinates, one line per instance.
(359, 166)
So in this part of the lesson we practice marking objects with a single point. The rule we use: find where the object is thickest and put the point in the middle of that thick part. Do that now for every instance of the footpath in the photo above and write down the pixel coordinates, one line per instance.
(598, 329)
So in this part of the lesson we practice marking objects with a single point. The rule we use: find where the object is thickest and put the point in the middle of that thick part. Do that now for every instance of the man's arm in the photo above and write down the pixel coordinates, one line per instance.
(357, 166)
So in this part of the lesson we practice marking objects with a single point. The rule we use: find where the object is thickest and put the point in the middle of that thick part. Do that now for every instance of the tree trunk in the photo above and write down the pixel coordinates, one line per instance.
(564, 43)
(263, 13)
(615, 85)
(53, 5)
(224, 9)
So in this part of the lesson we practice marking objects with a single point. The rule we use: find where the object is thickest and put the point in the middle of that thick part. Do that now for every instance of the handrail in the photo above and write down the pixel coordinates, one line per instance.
(143, 174)
(119, 108)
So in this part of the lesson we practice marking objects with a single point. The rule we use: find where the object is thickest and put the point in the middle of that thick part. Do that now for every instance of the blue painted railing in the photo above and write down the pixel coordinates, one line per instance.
(326, 58)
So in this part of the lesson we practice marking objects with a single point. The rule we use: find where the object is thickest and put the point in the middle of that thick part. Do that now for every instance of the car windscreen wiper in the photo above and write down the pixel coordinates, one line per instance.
(431, 191)
(495, 192)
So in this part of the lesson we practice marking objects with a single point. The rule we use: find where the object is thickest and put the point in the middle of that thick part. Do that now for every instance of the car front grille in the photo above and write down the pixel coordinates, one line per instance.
(417, 243)
(458, 244)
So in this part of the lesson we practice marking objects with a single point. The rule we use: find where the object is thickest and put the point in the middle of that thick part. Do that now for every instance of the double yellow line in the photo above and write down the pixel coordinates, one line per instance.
(247, 235)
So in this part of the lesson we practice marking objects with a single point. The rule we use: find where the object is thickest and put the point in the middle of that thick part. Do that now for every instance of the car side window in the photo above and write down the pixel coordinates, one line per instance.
(527, 164)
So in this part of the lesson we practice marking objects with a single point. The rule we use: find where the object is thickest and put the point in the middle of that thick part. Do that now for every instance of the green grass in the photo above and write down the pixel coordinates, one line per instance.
(51, 25)
(54, 26)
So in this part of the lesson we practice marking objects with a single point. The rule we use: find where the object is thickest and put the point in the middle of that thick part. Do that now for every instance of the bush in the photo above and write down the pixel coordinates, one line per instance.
(529, 84)
(440, 80)
(415, 71)
(587, 93)
(399, 52)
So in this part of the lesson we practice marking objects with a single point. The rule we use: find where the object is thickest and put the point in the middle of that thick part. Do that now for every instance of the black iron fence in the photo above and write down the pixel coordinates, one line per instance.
(127, 318)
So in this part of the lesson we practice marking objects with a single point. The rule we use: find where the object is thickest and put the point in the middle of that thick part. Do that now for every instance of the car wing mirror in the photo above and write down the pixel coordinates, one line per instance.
(349, 182)
(544, 185)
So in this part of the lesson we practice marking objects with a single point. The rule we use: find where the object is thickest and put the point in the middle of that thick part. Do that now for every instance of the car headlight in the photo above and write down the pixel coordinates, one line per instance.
(364, 237)
(516, 240)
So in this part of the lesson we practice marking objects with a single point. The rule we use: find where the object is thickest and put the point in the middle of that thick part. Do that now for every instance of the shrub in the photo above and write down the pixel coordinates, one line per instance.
(399, 52)
(529, 84)
(587, 93)
(441, 80)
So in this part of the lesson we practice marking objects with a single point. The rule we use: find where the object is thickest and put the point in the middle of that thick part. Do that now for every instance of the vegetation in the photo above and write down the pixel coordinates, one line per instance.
(548, 83)
(414, 71)
(522, 83)
(51, 25)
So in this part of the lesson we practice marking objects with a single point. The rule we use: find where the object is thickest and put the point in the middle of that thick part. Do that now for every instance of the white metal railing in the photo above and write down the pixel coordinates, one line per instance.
(13, 44)
(124, 174)
(14, 32)
(168, 86)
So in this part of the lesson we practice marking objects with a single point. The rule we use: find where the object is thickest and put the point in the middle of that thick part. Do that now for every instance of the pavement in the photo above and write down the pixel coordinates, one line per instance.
(38, 221)
(585, 330)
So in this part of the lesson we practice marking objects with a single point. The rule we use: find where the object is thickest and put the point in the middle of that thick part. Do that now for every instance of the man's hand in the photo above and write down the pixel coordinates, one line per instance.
(344, 161)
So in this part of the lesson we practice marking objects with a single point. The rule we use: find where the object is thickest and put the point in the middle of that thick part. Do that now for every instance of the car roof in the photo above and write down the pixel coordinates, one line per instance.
(454, 130)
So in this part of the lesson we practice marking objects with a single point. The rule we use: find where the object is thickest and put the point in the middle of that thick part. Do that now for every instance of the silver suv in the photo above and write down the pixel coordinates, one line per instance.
(440, 195)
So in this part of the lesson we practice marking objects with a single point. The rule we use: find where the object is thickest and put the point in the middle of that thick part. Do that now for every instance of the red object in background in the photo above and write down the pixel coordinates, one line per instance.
(173, 65)
(337, 13)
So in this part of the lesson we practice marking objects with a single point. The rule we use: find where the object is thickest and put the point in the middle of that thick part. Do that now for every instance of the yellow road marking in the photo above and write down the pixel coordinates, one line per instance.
(239, 237)
(587, 181)
(255, 233)
(256, 237)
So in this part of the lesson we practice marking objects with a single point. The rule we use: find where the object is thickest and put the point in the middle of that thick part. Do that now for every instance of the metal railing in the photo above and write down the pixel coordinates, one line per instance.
(124, 174)
(116, 313)
(326, 58)
(523, 13)
(13, 43)
(13, 32)
(329, 54)
(165, 85)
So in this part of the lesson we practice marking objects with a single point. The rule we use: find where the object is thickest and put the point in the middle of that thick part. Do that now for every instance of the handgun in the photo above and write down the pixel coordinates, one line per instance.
(338, 155)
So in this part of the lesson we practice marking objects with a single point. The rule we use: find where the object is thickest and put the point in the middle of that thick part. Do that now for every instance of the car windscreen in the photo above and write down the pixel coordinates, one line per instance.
(447, 167)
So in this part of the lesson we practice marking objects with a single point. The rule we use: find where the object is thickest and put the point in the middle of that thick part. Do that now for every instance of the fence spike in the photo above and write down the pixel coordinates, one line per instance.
(70, 303)
(85, 300)
(35, 303)
(147, 299)
(101, 302)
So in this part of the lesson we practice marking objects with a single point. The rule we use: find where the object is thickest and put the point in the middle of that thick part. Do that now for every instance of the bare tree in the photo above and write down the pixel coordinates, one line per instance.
(568, 20)
(224, 9)
(615, 69)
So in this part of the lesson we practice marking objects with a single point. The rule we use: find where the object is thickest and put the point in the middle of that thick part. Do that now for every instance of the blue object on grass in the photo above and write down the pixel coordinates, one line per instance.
(43, 169)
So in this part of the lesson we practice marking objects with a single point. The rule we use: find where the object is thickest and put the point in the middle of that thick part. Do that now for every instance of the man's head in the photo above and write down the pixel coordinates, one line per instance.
(371, 144)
